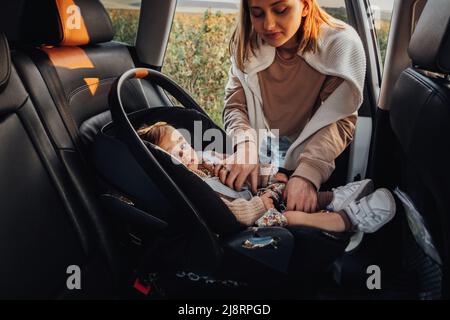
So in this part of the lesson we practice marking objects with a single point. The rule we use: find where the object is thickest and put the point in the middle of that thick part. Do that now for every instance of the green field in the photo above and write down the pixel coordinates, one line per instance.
(197, 55)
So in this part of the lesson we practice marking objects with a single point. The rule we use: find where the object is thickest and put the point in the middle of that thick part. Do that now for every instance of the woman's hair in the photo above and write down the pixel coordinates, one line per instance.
(154, 133)
(244, 38)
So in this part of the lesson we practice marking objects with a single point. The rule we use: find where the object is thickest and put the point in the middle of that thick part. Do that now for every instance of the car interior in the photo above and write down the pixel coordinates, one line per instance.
(79, 188)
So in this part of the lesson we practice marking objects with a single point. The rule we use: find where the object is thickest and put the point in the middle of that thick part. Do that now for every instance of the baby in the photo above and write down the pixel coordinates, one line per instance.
(351, 207)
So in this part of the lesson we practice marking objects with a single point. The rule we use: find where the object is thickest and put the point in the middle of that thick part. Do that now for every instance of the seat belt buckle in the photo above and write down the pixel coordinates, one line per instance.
(142, 287)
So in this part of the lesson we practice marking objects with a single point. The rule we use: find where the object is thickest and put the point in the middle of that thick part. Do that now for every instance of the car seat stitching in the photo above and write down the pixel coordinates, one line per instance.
(86, 87)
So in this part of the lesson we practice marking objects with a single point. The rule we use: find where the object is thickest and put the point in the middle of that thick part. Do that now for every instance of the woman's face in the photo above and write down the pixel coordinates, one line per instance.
(277, 21)
(174, 143)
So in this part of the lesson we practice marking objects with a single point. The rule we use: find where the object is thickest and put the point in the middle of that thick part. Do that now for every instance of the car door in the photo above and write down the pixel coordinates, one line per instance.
(371, 18)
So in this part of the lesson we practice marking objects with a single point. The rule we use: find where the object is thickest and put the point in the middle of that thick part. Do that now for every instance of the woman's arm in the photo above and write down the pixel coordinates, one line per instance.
(316, 163)
(235, 114)
(244, 163)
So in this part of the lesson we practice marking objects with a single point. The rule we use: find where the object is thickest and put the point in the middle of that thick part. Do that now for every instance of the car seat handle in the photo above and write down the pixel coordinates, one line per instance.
(126, 132)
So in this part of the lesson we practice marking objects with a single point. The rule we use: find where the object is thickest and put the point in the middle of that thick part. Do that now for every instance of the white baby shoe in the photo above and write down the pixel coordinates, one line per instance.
(372, 212)
(343, 196)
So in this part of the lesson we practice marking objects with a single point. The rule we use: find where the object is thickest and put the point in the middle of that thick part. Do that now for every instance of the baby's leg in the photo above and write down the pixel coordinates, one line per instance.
(367, 214)
(330, 221)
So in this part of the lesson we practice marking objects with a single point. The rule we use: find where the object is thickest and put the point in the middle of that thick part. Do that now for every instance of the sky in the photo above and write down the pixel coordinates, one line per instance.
(383, 4)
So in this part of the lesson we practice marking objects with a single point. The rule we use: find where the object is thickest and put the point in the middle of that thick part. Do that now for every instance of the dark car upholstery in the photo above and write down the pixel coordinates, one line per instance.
(56, 203)
(77, 69)
(44, 227)
(420, 114)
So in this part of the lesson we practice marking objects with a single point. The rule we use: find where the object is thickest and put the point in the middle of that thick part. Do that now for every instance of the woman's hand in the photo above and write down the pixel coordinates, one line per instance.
(301, 195)
(267, 200)
(239, 167)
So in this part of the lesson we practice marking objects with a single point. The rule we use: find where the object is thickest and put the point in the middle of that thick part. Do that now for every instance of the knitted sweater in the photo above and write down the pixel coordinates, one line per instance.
(340, 53)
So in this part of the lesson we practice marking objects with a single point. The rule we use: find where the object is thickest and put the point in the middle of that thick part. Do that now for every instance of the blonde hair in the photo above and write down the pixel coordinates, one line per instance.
(154, 133)
(244, 38)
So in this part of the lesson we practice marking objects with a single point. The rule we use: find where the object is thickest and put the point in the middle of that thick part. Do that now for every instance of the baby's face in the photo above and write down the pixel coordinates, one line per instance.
(176, 145)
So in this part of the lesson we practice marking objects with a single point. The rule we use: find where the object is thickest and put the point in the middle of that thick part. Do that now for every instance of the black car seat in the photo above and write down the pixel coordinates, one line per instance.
(204, 233)
(69, 75)
(45, 227)
(68, 82)
(77, 64)
(419, 116)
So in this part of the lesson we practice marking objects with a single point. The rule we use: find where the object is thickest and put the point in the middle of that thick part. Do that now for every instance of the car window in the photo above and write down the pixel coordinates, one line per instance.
(125, 17)
(381, 11)
(335, 7)
(197, 56)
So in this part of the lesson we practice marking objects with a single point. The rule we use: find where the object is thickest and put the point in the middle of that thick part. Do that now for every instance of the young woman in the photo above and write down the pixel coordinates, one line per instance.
(298, 70)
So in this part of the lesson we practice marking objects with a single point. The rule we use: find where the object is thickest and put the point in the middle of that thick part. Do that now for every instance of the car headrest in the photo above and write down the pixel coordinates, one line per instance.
(5, 62)
(429, 47)
(65, 23)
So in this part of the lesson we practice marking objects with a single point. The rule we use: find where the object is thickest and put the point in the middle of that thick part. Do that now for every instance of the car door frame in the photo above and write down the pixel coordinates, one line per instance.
(362, 20)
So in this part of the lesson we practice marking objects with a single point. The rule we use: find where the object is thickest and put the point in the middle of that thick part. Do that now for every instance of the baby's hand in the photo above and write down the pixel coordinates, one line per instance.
(267, 200)
(281, 177)
(213, 162)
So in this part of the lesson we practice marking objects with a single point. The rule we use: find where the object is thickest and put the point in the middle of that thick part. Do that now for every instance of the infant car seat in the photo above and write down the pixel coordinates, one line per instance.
(194, 230)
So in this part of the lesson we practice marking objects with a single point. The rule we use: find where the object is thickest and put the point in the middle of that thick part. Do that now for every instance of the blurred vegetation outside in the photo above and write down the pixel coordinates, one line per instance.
(125, 24)
(197, 56)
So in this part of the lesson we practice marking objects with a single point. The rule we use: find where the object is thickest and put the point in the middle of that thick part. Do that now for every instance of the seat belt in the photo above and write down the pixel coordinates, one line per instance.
(219, 187)
(56, 90)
